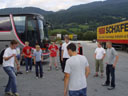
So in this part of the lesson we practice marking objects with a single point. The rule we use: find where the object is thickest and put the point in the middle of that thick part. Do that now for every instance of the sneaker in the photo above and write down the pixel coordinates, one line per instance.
(57, 68)
(26, 71)
(96, 75)
(111, 88)
(37, 77)
(8, 94)
(50, 68)
(104, 84)
(19, 72)
(102, 76)
(42, 77)
(16, 94)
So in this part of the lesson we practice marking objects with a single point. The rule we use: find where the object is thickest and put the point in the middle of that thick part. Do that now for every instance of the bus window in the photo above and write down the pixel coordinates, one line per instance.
(5, 24)
(20, 26)
(41, 29)
(32, 32)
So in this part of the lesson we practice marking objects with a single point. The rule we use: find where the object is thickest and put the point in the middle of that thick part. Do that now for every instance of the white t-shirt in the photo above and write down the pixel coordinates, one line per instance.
(75, 66)
(99, 53)
(8, 52)
(64, 48)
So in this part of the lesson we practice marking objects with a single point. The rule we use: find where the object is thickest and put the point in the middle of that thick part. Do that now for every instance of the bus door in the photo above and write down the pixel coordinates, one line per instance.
(32, 31)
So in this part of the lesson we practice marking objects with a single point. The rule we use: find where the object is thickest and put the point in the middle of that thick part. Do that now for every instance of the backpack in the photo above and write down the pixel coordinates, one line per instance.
(1, 56)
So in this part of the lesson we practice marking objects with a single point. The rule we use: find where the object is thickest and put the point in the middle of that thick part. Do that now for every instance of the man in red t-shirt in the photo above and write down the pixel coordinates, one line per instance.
(53, 55)
(27, 56)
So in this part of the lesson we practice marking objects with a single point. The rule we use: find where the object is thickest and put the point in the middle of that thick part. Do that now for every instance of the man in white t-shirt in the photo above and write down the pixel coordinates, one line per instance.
(76, 72)
(9, 59)
(65, 56)
(99, 57)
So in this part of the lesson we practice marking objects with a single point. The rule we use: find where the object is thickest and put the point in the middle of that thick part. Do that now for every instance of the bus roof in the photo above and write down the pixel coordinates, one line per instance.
(23, 14)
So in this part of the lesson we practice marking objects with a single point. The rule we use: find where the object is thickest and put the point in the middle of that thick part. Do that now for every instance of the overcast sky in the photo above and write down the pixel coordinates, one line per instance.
(49, 5)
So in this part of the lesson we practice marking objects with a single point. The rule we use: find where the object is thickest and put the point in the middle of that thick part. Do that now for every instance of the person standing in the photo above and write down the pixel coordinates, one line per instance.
(60, 54)
(27, 56)
(65, 56)
(18, 55)
(9, 58)
(53, 56)
(80, 49)
(99, 57)
(112, 59)
(76, 72)
(38, 59)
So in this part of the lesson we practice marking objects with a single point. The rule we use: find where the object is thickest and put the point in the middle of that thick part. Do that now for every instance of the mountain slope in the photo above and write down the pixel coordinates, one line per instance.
(107, 12)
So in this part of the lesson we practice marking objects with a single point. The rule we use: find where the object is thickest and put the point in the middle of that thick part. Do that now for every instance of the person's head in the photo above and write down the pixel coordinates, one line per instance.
(99, 44)
(71, 49)
(37, 47)
(60, 43)
(109, 44)
(79, 45)
(53, 42)
(13, 44)
(66, 38)
(6, 46)
(26, 43)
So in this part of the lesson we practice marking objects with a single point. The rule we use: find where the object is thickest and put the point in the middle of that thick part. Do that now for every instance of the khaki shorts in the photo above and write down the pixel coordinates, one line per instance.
(99, 65)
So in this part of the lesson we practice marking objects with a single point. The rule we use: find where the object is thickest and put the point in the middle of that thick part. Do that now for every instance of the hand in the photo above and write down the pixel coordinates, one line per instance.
(106, 62)
(114, 65)
(65, 93)
(18, 66)
(34, 63)
(13, 55)
(61, 59)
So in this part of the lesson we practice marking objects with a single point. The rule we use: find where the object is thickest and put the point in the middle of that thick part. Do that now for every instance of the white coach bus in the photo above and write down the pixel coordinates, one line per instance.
(24, 27)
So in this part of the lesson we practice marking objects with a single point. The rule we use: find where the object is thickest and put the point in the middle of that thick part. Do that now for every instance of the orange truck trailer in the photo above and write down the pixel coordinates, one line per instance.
(116, 33)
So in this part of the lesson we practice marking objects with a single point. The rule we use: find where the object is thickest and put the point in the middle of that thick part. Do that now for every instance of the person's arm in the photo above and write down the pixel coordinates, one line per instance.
(95, 54)
(62, 52)
(34, 58)
(66, 82)
(42, 58)
(87, 71)
(103, 56)
(116, 60)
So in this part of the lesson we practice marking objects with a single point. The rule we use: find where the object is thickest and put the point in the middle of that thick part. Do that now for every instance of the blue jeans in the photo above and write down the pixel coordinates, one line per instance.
(38, 67)
(11, 86)
(28, 62)
(81, 92)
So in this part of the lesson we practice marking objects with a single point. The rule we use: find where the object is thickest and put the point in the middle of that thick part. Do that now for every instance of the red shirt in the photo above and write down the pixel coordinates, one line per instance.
(53, 50)
(27, 51)
(80, 51)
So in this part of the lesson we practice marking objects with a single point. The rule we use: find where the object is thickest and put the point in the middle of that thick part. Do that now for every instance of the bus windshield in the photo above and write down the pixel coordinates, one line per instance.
(41, 29)
(20, 26)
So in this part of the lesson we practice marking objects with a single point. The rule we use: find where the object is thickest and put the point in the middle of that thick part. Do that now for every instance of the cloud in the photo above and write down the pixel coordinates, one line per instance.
(50, 5)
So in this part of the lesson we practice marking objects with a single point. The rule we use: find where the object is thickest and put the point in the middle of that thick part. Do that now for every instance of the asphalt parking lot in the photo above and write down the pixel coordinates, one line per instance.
(52, 84)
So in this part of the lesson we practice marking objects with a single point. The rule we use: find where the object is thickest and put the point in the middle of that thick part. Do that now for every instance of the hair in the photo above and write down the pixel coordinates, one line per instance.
(37, 46)
(13, 42)
(26, 42)
(100, 43)
(66, 37)
(109, 43)
(71, 47)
